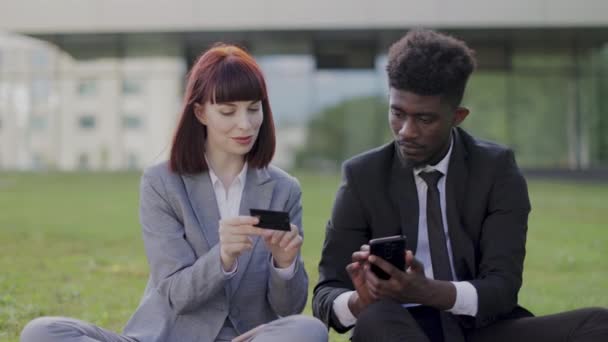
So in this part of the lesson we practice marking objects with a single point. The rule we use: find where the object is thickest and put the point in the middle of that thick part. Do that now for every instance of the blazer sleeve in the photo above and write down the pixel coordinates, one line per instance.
(184, 280)
(346, 231)
(502, 243)
(288, 296)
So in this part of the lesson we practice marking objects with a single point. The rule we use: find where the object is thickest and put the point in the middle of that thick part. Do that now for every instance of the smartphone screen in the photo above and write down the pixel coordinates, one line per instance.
(271, 219)
(391, 249)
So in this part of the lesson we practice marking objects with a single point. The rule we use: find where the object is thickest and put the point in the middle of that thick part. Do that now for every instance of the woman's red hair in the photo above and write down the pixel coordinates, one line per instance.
(225, 73)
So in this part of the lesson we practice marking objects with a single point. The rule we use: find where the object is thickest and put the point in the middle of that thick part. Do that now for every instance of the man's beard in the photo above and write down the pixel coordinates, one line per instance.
(408, 162)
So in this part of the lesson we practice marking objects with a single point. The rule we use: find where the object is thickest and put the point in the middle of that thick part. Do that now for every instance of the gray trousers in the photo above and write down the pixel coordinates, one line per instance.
(297, 328)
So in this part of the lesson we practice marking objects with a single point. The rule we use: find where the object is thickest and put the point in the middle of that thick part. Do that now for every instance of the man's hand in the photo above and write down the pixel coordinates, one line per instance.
(411, 286)
(284, 246)
(235, 237)
(361, 298)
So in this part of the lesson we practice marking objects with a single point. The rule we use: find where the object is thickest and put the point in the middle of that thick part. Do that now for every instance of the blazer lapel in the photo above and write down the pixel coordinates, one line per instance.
(403, 193)
(257, 194)
(204, 204)
(456, 185)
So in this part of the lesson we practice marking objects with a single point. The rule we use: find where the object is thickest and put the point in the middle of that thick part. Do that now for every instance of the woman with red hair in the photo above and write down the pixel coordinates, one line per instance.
(215, 275)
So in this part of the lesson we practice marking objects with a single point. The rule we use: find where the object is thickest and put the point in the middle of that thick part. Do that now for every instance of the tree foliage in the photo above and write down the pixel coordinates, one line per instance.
(338, 132)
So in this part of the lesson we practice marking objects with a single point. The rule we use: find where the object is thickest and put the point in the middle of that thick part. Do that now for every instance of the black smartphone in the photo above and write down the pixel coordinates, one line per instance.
(391, 249)
(272, 219)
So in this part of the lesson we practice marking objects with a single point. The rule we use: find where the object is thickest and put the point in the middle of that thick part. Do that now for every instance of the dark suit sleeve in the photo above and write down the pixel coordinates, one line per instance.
(345, 233)
(502, 243)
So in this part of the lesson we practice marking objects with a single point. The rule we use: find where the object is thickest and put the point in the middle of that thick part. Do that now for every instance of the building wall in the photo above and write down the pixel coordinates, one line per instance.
(538, 91)
(118, 115)
(28, 102)
(68, 16)
(99, 114)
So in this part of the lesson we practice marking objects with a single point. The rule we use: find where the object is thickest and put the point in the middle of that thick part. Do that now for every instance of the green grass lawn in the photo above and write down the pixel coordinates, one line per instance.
(70, 245)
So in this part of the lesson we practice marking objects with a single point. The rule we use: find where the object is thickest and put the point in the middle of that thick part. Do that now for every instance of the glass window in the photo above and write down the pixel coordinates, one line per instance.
(148, 44)
(40, 58)
(132, 86)
(131, 121)
(486, 98)
(345, 55)
(543, 58)
(4, 94)
(83, 161)
(86, 121)
(285, 76)
(37, 161)
(132, 161)
(541, 116)
(41, 90)
(87, 87)
(495, 58)
(38, 122)
(601, 127)
(91, 46)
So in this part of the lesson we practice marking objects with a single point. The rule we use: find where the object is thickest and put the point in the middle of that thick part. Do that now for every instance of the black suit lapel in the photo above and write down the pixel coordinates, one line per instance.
(403, 193)
(456, 186)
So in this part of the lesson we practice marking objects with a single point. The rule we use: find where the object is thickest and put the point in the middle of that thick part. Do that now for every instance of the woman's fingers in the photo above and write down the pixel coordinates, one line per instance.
(295, 243)
(240, 220)
(289, 236)
(238, 247)
(228, 238)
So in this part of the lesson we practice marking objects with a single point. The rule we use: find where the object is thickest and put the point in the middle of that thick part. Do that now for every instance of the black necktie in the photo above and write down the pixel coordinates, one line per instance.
(434, 222)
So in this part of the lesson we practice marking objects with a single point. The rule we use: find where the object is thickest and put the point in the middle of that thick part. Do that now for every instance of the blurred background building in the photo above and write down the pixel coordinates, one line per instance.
(97, 84)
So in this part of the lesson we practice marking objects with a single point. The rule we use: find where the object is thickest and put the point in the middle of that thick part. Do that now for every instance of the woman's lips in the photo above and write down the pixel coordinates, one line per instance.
(243, 140)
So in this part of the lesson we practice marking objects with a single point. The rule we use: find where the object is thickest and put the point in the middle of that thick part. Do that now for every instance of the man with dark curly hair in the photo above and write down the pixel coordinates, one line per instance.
(462, 204)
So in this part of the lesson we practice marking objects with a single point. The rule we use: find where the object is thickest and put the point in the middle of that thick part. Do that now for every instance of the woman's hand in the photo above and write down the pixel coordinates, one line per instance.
(283, 245)
(236, 237)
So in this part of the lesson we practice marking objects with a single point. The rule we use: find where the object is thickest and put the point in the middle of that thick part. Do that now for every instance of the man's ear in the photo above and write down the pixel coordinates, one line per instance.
(460, 114)
(199, 112)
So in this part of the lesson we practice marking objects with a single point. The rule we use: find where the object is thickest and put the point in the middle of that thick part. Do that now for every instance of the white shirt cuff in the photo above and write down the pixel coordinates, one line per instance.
(466, 299)
(285, 273)
(232, 272)
(341, 310)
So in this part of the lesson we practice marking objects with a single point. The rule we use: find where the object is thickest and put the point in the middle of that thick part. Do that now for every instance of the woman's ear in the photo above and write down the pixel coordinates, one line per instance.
(199, 112)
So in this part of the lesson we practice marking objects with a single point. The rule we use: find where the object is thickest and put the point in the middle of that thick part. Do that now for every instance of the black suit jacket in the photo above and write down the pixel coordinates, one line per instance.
(487, 211)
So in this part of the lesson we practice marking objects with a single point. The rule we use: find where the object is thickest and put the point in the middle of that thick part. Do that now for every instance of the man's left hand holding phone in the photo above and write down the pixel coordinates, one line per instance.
(372, 268)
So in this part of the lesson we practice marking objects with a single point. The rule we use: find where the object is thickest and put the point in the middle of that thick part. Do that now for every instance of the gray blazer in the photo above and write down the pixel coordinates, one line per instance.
(188, 297)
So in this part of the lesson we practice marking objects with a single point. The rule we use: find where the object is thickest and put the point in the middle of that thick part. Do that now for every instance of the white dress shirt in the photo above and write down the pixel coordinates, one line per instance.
(229, 202)
(466, 294)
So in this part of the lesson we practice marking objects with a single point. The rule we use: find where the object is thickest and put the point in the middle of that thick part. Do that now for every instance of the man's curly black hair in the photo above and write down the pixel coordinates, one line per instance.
(426, 62)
